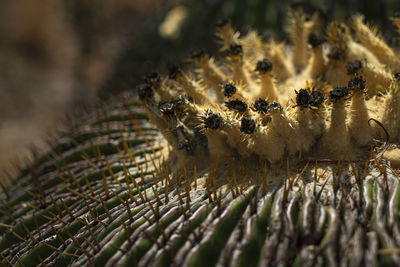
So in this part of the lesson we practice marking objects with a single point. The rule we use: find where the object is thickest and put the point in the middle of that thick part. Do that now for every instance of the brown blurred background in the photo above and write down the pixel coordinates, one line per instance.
(59, 56)
(54, 56)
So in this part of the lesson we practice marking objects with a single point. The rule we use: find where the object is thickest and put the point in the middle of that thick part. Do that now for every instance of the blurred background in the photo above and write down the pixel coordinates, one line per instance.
(58, 57)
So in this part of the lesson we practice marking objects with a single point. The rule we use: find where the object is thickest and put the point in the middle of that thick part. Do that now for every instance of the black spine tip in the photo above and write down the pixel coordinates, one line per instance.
(354, 66)
(212, 121)
(339, 92)
(275, 106)
(166, 107)
(263, 66)
(357, 84)
(261, 105)
(315, 40)
(229, 89)
(247, 126)
(169, 107)
(317, 98)
(237, 105)
(235, 49)
(153, 79)
(174, 71)
(303, 98)
(145, 92)
(336, 54)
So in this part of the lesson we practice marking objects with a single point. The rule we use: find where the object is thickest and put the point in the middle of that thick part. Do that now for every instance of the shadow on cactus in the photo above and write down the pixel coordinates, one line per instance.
(265, 155)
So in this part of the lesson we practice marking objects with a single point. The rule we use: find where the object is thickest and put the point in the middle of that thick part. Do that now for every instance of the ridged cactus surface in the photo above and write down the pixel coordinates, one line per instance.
(270, 155)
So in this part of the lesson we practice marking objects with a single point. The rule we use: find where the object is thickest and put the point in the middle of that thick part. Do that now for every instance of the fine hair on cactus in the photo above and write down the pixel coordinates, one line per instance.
(266, 154)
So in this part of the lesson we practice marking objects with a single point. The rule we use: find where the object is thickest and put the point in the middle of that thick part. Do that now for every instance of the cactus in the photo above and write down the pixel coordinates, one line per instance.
(263, 157)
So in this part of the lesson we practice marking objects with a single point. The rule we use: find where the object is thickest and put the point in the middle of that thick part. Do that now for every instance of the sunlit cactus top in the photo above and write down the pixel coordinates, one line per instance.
(267, 101)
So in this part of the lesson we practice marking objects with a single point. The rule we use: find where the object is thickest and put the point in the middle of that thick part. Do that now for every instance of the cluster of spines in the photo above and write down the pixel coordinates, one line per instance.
(253, 72)
(192, 124)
